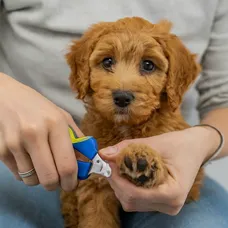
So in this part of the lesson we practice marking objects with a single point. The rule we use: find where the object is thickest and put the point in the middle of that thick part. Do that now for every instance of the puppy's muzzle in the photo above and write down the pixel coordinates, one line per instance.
(122, 98)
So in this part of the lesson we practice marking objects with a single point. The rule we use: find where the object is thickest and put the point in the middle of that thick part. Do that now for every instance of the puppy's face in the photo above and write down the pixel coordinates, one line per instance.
(127, 76)
(125, 67)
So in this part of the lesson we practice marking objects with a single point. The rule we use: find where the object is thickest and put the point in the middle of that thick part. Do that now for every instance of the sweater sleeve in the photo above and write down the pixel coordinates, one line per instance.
(213, 84)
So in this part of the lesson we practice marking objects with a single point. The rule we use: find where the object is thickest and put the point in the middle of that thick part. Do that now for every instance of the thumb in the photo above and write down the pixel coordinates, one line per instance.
(110, 153)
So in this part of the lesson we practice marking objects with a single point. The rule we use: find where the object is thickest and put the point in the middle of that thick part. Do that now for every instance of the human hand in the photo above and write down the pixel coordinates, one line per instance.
(34, 134)
(182, 152)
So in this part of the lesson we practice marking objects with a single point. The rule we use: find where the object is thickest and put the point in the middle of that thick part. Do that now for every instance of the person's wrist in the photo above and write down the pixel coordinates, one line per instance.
(210, 141)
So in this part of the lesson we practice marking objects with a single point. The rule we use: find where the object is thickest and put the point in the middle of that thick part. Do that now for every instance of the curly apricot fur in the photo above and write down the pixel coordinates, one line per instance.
(155, 109)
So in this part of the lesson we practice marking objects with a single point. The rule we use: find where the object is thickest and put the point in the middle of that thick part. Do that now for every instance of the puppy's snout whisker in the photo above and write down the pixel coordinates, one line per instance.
(122, 98)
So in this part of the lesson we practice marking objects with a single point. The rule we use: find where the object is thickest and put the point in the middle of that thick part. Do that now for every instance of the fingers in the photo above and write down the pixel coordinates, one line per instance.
(19, 158)
(14, 157)
(24, 164)
(7, 158)
(31, 152)
(137, 204)
(37, 136)
(43, 162)
(132, 198)
(64, 155)
(43, 145)
(10, 162)
(142, 206)
(54, 162)
(160, 194)
(52, 154)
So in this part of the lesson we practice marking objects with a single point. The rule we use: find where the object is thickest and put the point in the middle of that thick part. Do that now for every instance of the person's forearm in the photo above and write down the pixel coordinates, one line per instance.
(219, 119)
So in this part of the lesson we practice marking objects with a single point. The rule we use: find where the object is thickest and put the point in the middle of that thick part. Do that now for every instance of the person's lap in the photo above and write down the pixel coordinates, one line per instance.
(33, 207)
(27, 207)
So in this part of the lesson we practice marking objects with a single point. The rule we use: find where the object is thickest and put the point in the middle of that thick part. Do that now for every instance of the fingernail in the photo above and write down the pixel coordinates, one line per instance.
(111, 150)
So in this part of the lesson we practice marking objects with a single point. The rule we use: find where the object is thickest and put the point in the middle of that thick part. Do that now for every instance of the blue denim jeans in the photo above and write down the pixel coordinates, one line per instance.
(33, 207)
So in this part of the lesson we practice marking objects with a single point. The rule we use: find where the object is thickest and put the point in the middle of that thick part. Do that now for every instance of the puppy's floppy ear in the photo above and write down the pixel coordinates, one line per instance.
(78, 58)
(183, 68)
(163, 26)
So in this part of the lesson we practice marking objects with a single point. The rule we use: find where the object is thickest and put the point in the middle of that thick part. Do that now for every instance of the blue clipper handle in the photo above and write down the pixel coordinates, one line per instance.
(87, 147)
(83, 169)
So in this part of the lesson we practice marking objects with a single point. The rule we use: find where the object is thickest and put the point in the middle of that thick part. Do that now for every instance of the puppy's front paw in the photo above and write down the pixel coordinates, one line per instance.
(141, 165)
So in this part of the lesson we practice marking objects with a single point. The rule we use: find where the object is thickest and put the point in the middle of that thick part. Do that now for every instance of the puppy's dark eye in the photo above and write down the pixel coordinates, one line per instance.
(147, 66)
(107, 63)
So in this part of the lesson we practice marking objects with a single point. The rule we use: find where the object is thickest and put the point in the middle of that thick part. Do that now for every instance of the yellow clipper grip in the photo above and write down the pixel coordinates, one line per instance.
(74, 138)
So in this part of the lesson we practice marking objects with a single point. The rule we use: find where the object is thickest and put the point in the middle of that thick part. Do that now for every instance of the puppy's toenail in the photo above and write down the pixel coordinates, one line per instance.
(141, 164)
(142, 179)
(128, 162)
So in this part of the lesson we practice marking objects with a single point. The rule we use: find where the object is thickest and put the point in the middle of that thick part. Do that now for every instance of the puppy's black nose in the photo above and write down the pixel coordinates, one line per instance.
(122, 98)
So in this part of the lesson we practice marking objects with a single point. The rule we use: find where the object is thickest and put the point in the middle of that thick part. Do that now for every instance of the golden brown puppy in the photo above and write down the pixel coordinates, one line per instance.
(132, 75)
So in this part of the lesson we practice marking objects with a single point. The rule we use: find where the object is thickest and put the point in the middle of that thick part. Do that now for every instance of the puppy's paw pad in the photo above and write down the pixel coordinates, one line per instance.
(142, 179)
(128, 163)
(141, 165)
